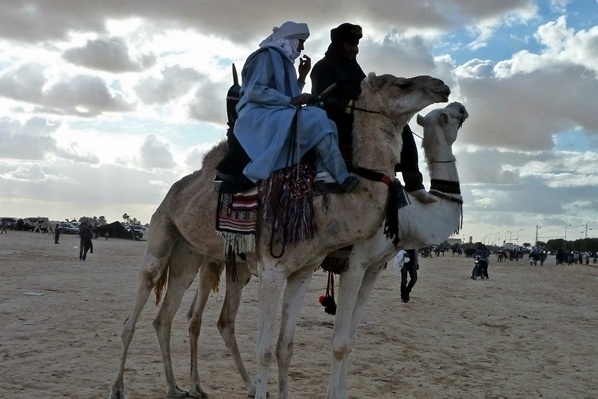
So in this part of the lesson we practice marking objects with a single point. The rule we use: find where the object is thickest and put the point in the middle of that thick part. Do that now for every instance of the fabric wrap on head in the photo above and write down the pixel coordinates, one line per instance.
(346, 33)
(291, 30)
(287, 37)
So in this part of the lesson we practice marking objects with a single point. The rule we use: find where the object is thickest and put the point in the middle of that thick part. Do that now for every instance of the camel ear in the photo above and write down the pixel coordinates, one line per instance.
(420, 120)
(371, 81)
(444, 118)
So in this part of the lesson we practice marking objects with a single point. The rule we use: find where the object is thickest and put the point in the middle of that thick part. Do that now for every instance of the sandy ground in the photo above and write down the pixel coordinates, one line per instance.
(528, 332)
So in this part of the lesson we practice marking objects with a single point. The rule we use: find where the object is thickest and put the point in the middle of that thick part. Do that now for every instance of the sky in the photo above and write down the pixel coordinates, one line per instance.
(105, 104)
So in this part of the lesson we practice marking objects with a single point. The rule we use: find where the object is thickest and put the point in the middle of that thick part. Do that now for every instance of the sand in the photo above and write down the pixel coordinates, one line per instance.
(528, 332)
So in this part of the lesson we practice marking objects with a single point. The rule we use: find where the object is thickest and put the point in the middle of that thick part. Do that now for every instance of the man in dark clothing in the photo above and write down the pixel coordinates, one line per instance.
(339, 66)
(85, 244)
(56, 233)
(410, 268)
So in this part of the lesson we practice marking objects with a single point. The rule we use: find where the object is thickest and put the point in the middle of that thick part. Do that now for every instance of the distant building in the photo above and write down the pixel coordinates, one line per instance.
(453, 241)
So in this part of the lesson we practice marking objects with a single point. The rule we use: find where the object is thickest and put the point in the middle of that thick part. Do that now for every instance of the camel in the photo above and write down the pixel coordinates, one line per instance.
(420, 225)
(182, 233)
(381, 112)
(181, 243)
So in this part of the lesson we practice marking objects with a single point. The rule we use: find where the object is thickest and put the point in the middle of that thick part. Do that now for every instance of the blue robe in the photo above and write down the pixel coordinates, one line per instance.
(266, 114)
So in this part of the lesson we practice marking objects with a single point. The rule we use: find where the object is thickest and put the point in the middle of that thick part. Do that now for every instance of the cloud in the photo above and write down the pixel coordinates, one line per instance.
(156, 154)
(84, 95)
(25, 83)
(174, 83)
(33, 172)
(29, 141)
(109, 54)
(73, 153)
(209, 102)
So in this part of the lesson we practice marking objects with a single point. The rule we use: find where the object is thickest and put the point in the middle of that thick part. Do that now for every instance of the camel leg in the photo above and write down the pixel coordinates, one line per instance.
(208, 276)
(367, 285)
(154, 262)
(228, 315)
(297, 285)
(271, 281)
(147, 276)
(349, 283)
(179, 280)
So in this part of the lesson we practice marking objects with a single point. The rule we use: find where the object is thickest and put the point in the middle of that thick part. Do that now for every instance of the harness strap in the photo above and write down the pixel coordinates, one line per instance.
(446, 186)
(391, 223)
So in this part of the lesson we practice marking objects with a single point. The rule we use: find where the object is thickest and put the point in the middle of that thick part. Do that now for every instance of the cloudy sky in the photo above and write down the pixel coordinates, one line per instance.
(105, 104)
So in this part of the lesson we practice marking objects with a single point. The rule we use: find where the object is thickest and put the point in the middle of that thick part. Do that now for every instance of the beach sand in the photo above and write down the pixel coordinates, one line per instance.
(527, 332)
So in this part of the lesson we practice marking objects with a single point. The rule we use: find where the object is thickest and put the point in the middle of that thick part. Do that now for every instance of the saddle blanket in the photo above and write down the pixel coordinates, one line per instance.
(236, 220)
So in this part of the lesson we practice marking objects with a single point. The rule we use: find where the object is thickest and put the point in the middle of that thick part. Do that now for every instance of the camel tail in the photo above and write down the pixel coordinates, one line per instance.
(159, 287)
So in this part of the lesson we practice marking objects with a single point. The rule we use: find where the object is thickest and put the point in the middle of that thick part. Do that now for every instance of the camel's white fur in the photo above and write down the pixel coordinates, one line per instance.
(181, 240)
(420, 225)
(351, 217)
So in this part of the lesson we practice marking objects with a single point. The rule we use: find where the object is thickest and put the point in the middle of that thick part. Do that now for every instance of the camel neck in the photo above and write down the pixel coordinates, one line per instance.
(379, 153)
(445, 172)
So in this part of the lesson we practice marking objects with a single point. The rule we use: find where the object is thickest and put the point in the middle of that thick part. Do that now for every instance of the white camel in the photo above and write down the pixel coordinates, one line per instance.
(419, 225)
(181, 235)
(380, 114)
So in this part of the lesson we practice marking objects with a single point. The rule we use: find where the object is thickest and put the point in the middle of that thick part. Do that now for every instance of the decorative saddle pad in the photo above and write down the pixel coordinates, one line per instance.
(236, 220)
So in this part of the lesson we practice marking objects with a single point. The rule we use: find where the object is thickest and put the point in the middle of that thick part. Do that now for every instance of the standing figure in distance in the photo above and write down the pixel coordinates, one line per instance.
(85, 244)
(409, 268)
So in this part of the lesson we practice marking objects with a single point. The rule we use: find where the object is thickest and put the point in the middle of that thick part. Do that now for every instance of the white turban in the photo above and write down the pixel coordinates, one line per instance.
(287, 37)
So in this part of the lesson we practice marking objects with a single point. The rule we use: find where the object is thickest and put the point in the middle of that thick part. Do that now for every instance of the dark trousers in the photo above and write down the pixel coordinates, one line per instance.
(85, 246)
(409, 268)
(409, 166)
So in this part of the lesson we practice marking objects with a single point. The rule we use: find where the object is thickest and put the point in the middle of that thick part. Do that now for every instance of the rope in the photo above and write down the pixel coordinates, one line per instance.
(292, 146)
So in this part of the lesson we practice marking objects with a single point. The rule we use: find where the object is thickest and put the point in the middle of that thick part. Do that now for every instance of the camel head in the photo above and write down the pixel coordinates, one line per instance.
(440, 130)
(401, 98)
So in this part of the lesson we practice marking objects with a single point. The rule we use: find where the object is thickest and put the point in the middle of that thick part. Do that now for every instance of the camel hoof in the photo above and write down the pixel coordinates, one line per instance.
(117, 395)
(196, 392)
(176, 392)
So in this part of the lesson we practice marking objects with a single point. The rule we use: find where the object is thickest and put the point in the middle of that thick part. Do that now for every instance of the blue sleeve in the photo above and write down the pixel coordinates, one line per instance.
(259, 82)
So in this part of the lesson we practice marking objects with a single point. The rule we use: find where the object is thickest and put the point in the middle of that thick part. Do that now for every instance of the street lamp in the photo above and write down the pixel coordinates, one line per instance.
(537, 228)
(586, 232)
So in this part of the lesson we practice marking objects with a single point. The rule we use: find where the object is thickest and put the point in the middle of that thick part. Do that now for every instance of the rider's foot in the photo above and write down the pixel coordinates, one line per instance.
(349, 184)
(323, 187)
(326, 186)
(423, 196)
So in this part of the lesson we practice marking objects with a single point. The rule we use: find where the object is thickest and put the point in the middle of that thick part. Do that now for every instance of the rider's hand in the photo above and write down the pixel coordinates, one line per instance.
(304, 67)
(301, 99)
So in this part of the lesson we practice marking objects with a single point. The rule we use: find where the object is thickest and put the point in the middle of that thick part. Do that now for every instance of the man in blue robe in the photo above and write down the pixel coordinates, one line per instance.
(270, 98)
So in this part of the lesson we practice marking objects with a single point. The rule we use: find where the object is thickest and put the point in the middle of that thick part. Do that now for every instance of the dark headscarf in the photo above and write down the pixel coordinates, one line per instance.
(346, 33)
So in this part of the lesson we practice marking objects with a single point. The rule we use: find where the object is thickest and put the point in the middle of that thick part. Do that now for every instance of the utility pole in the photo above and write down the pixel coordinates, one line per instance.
(537, 227)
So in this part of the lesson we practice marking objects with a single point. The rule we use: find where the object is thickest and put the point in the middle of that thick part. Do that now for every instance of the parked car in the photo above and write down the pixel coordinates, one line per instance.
(74, 229)
(10, 223)
(137, 231)
(65, 227)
